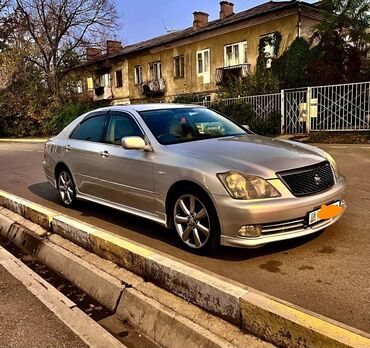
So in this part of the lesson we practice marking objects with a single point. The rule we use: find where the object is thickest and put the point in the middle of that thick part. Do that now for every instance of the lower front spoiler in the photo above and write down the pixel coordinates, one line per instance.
(250, 242)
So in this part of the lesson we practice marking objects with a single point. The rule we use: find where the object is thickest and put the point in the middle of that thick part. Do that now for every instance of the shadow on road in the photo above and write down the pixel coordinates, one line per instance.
(113, 218)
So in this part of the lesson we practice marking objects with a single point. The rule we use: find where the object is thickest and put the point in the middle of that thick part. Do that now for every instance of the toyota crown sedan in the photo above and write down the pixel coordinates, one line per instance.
(196, 172)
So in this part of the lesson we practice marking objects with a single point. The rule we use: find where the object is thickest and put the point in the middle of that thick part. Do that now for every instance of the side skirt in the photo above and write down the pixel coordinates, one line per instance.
(124, 208)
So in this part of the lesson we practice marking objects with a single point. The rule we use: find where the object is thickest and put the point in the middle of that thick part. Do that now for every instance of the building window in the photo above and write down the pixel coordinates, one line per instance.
(119, 79)
(79, 87)
(203, 65)
(103, 81)
(90, 83)
(203, 62)
(178, 67)
(138, 75)
(155, 71)
(235, 54)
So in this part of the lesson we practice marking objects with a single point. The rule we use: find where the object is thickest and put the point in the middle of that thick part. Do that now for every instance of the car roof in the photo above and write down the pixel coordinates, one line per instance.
(147, 107)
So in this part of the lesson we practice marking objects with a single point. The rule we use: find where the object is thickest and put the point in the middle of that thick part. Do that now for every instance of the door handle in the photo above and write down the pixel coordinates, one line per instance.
(68, 148)
(104, 154)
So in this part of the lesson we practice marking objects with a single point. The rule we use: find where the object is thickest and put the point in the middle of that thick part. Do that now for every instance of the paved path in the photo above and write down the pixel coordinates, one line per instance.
(24, 320)
(328, 273)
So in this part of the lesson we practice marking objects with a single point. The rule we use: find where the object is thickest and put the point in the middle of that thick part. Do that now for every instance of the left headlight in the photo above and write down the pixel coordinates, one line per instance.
(242, 186)
(333, 165)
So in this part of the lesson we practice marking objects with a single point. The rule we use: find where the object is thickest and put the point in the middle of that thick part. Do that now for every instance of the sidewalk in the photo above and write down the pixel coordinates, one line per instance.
(33, 314)
(23, 140)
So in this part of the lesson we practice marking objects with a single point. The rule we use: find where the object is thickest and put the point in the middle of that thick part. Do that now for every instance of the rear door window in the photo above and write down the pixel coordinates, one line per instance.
(91, 129)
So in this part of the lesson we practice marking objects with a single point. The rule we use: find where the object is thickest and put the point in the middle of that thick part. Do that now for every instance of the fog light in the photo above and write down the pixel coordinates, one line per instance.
(250, 231)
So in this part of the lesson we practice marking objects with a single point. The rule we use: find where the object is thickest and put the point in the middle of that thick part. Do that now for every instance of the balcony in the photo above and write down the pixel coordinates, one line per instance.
(102, 93)
(228, 73)
(153, 88)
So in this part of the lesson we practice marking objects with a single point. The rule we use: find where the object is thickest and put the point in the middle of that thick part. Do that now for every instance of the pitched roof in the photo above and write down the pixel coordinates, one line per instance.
(215, 24)
(262, 9)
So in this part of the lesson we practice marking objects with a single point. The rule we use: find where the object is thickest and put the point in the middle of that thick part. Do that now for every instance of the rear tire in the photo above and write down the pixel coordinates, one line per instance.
(195, 220)
(66, 188)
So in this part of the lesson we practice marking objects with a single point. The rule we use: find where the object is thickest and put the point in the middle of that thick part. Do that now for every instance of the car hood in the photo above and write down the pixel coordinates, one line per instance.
(253, 154)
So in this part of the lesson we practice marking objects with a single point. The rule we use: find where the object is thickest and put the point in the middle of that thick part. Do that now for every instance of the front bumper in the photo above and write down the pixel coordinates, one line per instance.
(233, 214)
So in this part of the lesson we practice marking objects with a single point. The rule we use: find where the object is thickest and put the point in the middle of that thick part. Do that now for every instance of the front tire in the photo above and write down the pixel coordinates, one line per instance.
(66, 188)
(196, 222)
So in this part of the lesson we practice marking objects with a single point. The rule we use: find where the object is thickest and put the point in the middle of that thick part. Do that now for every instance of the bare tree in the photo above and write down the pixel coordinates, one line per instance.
(3, 5)
(4, 19)
(61, 29)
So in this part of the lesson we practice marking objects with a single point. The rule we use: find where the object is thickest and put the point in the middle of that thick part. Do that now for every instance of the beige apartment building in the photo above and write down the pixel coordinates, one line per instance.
(196, 60)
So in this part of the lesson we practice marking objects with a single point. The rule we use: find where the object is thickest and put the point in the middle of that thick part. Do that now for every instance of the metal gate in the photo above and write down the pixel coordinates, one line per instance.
(341, 107)
(293, 120)
(344, 107)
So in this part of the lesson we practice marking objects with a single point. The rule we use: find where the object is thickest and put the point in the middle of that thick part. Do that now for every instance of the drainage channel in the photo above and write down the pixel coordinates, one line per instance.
(130, 337)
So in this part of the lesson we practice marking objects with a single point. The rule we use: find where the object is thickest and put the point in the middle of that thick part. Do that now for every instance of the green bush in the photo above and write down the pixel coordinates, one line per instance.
(290, 68)
(61, 114)
(187, 99)
(59, 118)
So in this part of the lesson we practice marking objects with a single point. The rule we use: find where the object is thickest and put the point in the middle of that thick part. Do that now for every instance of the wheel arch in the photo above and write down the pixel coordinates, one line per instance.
(174, 189)
(59, 167)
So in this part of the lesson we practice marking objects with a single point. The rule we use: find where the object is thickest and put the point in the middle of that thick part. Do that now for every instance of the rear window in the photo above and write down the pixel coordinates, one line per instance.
(90, 130)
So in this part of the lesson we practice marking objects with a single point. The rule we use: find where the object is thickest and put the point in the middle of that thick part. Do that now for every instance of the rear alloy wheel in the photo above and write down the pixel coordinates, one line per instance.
(66, 188)
(193, 222)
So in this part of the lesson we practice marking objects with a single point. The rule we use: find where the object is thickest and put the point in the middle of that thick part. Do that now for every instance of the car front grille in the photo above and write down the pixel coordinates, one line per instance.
(308, 180)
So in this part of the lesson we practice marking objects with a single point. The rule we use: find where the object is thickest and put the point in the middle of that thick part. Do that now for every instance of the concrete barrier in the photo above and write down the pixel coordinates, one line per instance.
(163, 325)
(288, 325)
(159, 315)
(29, 210)
(273, 320)
(97, 284)
(207, 291)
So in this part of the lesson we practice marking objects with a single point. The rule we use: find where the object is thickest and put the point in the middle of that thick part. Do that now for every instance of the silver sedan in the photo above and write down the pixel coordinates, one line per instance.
(196, 172)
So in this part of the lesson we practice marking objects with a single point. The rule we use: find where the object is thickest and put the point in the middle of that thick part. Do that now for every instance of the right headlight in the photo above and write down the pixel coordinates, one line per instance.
(242, 186)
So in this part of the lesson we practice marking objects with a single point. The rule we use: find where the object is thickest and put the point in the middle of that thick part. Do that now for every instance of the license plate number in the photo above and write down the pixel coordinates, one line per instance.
(313, 215)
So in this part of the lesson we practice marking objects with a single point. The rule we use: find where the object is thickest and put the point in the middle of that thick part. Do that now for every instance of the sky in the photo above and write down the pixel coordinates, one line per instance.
(145, 19)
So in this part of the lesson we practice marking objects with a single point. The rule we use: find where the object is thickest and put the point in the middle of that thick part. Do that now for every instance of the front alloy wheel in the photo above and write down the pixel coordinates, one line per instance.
(66, 188)
(192, 221)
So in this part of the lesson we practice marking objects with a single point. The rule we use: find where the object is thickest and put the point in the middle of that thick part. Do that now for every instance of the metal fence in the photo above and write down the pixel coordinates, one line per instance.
(343, 107)
(263, 105)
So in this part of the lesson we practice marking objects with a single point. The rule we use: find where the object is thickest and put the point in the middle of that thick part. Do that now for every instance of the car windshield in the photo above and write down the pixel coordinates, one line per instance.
(173, 126)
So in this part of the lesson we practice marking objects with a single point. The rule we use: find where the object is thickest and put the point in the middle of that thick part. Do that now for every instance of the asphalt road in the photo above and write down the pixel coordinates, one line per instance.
(328, 273)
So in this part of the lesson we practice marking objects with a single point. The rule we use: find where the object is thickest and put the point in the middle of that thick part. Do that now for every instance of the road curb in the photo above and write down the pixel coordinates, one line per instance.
(271, 319)
(163, 325)
(207, 291)
(158, 317)
(23, 140)
(288, 325)
(104, 288)
(29, 210)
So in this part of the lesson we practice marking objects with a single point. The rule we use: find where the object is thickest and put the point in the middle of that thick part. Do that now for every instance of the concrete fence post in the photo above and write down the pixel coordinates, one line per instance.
(282, 110)
(308, 118)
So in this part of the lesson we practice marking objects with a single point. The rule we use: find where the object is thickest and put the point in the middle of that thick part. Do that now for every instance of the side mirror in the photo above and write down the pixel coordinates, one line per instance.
(135, 143)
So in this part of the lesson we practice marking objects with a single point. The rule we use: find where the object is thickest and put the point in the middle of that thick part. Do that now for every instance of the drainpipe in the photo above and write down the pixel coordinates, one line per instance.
(299, 24)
